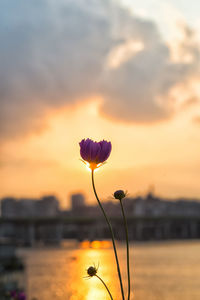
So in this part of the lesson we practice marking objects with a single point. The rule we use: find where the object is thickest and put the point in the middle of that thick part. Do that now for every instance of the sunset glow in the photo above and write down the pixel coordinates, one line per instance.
(135, 83)
(50, 161)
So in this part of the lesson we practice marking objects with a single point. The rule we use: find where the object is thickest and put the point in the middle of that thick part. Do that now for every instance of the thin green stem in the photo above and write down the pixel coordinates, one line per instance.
(112, 236)
(105, 286)
(127, 249)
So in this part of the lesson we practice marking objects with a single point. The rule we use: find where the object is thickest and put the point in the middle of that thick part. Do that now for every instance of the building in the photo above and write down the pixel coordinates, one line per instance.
(47, 206)
(77, 202)
(8, 207)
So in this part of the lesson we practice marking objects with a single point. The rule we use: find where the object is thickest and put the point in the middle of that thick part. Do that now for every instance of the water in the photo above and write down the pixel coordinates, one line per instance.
(161, 271)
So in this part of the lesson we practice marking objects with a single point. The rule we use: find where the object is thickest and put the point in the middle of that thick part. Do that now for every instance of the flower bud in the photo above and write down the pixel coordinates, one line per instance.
(91, 271)
(120, 194)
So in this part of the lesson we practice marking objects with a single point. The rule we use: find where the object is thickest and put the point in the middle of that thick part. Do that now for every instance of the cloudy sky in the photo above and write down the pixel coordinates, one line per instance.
(127, 71)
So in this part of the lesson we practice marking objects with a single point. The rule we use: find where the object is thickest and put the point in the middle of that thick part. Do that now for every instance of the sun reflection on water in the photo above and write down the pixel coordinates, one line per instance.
(96, 292)
(95, 244)
(95, 255)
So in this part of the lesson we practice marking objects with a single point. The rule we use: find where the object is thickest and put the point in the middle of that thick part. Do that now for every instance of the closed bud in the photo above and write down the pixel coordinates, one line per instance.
(92, 271)
(120, 194)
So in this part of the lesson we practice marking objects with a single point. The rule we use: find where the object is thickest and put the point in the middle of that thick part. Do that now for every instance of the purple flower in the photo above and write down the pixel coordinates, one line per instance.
(94, 152)
(13, 294)
(21, 296)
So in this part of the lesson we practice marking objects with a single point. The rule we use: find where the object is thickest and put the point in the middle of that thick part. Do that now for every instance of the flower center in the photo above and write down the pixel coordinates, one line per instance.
(93, 166)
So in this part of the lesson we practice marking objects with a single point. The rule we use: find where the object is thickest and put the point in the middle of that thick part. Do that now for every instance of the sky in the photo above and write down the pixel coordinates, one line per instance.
(125, 71)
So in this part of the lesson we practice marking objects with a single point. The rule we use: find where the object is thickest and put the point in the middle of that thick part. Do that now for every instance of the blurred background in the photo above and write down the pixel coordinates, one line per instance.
(120, 70)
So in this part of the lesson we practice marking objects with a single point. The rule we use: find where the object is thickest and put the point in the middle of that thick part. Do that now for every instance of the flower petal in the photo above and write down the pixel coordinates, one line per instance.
(94, 152)
(105, 150)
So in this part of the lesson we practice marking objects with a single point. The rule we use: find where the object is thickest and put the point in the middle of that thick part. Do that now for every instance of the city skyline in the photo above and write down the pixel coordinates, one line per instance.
(50, 204)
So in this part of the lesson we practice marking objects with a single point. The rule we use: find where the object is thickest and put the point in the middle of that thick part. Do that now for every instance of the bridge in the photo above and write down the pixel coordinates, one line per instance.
(33, 231)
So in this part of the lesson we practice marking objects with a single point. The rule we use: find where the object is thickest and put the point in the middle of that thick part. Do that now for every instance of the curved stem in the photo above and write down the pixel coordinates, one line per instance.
(105, 286)
(112, 235)
(127, 249)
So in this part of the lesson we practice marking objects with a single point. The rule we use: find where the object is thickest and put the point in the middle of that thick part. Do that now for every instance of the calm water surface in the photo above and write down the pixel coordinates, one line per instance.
(161, 271)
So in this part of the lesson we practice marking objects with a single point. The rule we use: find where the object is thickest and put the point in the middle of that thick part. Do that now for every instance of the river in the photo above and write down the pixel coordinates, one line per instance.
(160, 271)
